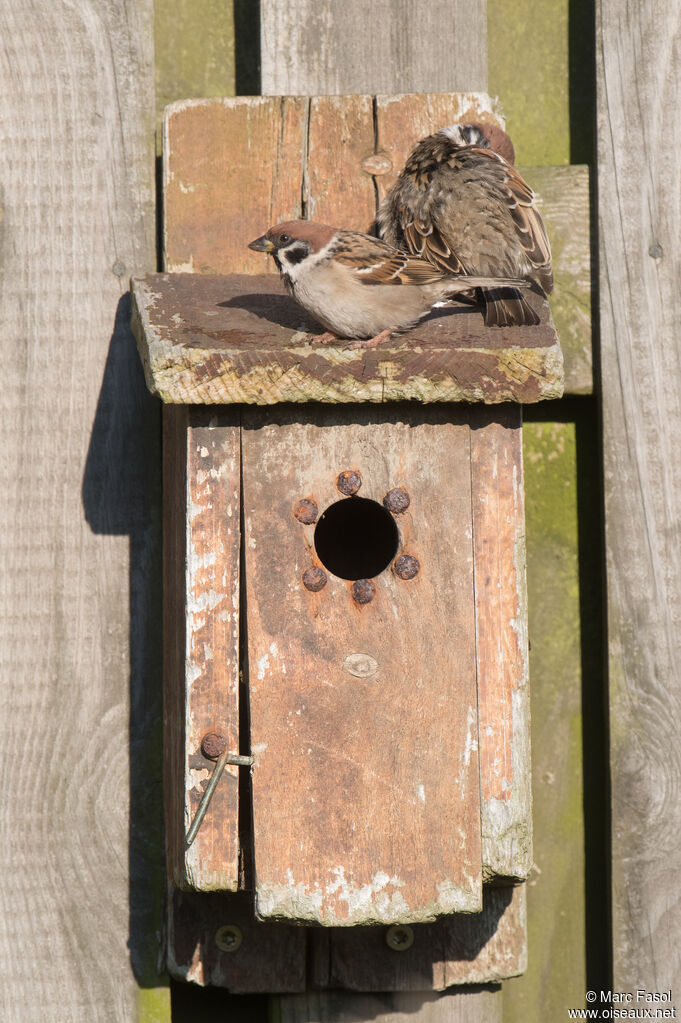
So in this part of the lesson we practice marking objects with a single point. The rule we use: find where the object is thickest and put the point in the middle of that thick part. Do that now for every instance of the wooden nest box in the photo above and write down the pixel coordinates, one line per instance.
(345, 579)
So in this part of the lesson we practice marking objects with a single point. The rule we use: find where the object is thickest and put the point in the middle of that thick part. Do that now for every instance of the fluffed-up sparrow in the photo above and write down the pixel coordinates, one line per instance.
(462, 206)
(357, 286)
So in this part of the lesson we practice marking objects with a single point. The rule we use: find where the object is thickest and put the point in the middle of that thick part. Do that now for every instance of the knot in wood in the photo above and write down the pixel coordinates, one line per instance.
(377, 163)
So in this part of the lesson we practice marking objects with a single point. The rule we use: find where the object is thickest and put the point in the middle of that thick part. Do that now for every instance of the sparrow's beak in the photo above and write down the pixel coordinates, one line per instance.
(262, 244)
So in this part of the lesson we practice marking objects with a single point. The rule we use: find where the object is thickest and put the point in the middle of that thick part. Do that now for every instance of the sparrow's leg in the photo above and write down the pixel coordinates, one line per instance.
(372, 342)
(327, 338)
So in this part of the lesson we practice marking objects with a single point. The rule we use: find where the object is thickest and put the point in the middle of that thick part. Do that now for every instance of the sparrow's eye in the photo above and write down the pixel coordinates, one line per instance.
(284, 239)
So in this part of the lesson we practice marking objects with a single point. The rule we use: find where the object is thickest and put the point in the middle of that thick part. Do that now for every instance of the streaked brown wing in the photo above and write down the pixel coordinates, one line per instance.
(424, 239)
(388, 266)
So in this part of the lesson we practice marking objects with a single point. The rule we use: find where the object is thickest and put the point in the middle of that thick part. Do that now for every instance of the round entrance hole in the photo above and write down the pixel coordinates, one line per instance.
(356, 538)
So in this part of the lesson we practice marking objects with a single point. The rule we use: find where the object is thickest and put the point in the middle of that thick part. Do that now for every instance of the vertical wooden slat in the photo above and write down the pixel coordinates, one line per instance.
(339, 191)
(210, 678)
(388, 46)
(232, 167)
(501, 625)
(333, 47)
(80, 535)
(639, 205)
(468, 1005)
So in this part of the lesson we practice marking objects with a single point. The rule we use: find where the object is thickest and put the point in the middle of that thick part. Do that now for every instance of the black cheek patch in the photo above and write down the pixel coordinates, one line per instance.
(296, 254)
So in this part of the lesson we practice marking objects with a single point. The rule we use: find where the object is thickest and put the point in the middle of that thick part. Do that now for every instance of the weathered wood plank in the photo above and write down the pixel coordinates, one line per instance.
(463, 949)
(339, 191)
(363, 713)
(468, 1005)
(556, 978)
(215, 940)
(231, 168)
(348, 46)
(564, 201)
(210, 667)
(80, 535)
(639, 78)
(216, 340)
(501, 628)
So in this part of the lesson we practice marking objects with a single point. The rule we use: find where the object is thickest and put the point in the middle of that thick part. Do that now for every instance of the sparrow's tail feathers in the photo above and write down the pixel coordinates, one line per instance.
(506, 307)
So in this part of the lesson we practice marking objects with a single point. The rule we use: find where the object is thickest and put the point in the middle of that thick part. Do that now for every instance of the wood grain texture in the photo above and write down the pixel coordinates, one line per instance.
(639, 78)
(270, 958)
(218, 340)
(556, 978)
(366, 785)
(210, 668)
(468, 1005)
(341, 136)
(80, 528)
(564, 200)
(501, 630)
(463, 949)
(231, 167)
(347, 46)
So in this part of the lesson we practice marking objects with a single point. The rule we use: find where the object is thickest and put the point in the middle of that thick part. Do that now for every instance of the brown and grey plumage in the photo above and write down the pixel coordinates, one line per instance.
(464, 208)
(356, 285)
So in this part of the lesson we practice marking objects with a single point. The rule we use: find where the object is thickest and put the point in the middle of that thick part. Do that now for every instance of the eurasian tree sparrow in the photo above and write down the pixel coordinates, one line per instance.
(358, 286)
(464, 208)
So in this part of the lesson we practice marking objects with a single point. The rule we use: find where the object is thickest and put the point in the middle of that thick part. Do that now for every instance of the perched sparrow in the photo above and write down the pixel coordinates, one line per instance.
(355, 285)
(459, 204)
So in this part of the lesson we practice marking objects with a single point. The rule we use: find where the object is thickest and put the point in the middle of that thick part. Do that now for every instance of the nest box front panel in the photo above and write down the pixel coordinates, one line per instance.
(362, 664)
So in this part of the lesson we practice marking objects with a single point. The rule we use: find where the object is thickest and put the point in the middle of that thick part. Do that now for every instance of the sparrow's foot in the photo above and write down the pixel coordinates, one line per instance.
(327, 338)
(373, 342)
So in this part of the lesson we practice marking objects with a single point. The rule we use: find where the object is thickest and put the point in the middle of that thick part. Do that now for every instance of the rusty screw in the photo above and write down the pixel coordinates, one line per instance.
(314, 578)
(213, 745)
(306, 511)
(406, 566)
(396, 500)
(349, 481)
(228, 938)
(399, 938)
(363, 591)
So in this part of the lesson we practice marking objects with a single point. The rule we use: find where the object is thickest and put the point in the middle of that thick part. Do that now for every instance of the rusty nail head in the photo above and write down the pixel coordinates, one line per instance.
(306, 511)
(213, 745)
(363, 591)
(349, 481)
(228, 938)
(406, 566)
(396, 500)
(399, 938)
(314, 578)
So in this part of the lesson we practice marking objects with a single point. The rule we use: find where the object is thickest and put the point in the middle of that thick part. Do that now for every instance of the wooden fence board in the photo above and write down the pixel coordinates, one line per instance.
(231, 168)
(341, 136)
(366, 786)
(80, 535)
(501, 628)
(347, 46)
(639, 203)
